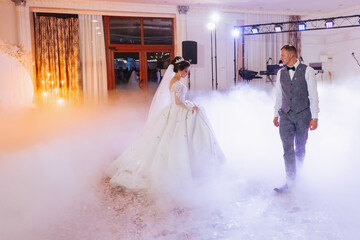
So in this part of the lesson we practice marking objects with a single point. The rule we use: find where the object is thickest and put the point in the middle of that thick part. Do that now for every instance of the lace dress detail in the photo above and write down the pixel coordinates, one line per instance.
(178, 92)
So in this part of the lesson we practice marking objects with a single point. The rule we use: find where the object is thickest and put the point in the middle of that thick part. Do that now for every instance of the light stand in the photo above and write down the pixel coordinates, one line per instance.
(234, 61)
(235, 34)
(216, 80)
(212, 27)
(212, 61)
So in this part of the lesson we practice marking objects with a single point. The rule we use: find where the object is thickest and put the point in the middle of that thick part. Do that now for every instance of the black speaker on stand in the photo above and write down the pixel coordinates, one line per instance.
(189, 52)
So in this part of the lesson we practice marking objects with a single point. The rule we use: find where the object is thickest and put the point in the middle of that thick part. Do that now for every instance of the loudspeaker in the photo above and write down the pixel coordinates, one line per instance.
(189, 51)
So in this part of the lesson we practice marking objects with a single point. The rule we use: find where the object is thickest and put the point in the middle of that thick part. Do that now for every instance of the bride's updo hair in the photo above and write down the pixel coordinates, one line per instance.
(180, 63)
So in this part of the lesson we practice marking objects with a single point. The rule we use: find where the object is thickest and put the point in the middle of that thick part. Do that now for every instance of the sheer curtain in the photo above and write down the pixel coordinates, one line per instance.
(259, 48)
(92, 58)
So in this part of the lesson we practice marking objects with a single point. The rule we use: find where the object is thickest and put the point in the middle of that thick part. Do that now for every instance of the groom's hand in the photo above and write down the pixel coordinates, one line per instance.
(313, 125)
(276, 121)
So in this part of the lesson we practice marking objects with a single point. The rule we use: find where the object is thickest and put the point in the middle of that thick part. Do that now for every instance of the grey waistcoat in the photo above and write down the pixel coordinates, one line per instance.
(295, 95)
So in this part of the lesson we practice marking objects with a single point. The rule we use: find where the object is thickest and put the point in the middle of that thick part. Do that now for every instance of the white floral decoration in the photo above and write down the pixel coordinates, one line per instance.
(16, 52)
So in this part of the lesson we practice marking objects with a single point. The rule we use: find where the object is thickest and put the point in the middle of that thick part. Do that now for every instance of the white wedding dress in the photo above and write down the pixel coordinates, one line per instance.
(176, 148)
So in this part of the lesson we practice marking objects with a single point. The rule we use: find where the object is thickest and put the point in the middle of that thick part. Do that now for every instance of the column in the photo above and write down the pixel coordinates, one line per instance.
(182, 36)
(23, 25)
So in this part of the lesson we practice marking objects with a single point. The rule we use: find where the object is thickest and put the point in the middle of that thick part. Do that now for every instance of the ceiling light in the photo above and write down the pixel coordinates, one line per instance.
(255, 29)
(329, 23)
(302, 26)
(278, 28)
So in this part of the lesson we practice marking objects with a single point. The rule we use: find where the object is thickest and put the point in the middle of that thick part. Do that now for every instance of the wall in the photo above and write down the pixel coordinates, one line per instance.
(337, 44)
(191, 26)
(256, 51)
(8, 32)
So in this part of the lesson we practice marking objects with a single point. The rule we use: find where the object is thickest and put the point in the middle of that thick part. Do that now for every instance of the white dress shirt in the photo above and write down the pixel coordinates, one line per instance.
(312, 89)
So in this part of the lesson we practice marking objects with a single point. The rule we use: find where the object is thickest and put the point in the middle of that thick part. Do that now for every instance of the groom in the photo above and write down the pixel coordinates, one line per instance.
(297, 105)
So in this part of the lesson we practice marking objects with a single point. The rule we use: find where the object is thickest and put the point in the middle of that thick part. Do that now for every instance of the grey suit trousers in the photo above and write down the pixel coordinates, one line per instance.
(294, 128)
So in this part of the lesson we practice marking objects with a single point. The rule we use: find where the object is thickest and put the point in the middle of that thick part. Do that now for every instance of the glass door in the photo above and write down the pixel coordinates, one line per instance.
(156, 63)
(138, 51)
(126, 71)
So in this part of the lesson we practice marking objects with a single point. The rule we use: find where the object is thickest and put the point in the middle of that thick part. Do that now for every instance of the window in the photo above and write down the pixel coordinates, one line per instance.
(125, 30)
(158, 31)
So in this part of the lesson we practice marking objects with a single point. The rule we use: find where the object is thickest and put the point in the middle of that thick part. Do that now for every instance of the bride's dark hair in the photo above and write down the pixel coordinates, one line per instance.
(180, 63)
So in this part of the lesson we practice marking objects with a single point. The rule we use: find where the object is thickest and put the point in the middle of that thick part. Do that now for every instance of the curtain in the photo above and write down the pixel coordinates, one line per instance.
(93, 59)
(260, 48)
(57, 55)
(295, 37)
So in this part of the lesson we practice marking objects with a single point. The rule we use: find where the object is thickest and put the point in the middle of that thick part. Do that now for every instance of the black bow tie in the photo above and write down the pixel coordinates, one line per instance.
(290, 68)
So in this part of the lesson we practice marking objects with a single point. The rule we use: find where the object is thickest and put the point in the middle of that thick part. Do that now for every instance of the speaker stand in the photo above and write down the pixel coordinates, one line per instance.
(189, 81)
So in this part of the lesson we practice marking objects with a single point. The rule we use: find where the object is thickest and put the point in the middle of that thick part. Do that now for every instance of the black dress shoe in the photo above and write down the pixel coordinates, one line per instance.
(283, 189)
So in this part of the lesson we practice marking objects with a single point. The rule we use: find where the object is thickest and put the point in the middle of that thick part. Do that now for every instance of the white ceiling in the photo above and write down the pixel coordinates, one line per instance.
(302, 7)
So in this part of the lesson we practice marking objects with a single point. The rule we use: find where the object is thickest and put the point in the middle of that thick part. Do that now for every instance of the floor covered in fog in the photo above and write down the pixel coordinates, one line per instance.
(52, 184)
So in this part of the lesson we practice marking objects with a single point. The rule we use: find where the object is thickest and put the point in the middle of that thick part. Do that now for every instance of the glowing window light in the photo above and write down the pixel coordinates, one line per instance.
(329, 24)
(278, 28)
(255, 29)
(302, 26)
(45, 94)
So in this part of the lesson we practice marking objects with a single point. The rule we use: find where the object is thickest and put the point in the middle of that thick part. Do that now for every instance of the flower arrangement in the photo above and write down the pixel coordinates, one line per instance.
(16, 52)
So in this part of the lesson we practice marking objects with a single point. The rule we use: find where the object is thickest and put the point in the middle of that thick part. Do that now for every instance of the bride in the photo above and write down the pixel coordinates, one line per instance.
(177, 146)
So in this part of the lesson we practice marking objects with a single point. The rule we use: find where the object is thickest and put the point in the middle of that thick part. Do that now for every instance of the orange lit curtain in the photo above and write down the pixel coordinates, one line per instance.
(57, 53)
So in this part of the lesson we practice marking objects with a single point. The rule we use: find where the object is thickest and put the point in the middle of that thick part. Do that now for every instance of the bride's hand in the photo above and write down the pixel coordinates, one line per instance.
(195, 108)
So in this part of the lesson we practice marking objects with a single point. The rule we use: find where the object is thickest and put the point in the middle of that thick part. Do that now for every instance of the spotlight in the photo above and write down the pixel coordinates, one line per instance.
(215, 17)
(329, 23)
(302, 26)
(255, 29)
(236, 32)
(211, 26)
(278, 28)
